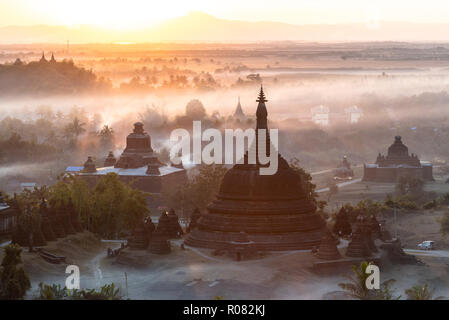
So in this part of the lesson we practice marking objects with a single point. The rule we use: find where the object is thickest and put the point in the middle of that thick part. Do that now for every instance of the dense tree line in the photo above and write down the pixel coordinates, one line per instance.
(108, 209)
(44, 78)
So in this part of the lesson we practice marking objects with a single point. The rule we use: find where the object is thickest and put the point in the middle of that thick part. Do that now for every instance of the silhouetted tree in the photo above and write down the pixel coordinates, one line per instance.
(14, 282)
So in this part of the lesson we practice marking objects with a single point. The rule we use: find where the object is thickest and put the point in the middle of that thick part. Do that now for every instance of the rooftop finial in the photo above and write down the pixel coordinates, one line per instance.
(261, 98)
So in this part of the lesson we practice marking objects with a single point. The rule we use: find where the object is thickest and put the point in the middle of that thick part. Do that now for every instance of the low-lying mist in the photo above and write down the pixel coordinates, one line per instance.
(413, 105)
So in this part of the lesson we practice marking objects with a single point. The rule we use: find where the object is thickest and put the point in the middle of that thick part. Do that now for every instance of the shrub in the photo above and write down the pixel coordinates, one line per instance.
(14, 282)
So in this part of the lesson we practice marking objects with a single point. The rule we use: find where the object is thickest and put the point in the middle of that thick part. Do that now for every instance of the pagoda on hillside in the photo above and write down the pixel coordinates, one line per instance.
(43, 60)
(273, 211)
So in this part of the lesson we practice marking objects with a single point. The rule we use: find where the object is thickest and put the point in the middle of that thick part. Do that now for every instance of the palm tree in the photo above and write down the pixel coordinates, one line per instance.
(75, 128)
(419, 292)
(357, 289)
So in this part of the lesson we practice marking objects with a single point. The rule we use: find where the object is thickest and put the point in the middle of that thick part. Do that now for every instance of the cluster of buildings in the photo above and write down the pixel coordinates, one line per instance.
(320, 115)
(323, 116)
(138, 165)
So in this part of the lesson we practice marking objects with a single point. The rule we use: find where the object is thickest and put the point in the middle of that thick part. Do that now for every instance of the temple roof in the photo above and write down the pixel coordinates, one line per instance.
(138, 151)
(142, 171)
(398, 149)
(398, 156)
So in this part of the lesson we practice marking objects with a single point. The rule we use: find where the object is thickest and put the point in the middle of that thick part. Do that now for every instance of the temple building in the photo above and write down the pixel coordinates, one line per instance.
(271, 212)
(320, 115)
(353, 114)
(137, 164)
(397, 163)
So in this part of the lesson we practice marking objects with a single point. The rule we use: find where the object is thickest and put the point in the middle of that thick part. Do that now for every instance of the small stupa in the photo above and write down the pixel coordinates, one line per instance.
(110, 160)
(89, 166)
(328, 248)
(159, 243)
(342, 225)
(169, 225)
(358, 247)
(196, 215)
(139, 239)
(149, 226)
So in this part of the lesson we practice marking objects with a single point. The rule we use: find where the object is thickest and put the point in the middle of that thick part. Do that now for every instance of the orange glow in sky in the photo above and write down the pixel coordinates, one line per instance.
(132, 14)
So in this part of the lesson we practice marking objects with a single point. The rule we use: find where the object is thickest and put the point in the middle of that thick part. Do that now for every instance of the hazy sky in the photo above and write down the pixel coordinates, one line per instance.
(140, 13)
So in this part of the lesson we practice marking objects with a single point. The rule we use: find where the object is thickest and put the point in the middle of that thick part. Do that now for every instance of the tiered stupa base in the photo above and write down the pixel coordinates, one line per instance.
(277, 231)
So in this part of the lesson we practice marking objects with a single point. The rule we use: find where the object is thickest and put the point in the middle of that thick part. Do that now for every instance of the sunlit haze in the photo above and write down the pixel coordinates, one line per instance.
(236, 150)
(137, 14)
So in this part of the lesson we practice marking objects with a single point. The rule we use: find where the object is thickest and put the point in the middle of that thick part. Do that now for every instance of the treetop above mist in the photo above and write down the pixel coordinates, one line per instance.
(49, 77)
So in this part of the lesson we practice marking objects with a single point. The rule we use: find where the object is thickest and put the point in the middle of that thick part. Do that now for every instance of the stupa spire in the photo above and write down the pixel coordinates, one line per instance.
(261, 112)
(261, 98)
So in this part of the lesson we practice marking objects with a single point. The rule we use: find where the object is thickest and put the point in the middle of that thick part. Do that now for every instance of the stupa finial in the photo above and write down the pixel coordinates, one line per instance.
(261, 98)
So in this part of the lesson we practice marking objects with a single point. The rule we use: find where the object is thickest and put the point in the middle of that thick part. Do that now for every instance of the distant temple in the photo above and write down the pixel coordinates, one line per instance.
(138, 164)
(43, 60)
(344, 171)
(239, 114)
(353, 114)
(320, 115)
(397, 163)
(259, 212)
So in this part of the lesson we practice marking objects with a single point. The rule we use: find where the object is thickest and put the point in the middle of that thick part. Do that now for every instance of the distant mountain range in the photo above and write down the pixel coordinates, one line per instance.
(198, 26)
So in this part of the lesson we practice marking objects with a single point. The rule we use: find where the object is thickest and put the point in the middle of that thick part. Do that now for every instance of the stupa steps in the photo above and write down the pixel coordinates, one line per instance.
(261, 208)
(263, 242)
(259, 246)
(270, 224)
